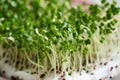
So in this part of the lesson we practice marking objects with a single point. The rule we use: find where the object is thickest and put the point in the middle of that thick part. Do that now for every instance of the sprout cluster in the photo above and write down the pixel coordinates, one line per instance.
(53, 34)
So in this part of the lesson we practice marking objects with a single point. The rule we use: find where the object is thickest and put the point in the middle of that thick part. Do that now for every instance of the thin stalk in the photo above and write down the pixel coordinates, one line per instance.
(33, 61)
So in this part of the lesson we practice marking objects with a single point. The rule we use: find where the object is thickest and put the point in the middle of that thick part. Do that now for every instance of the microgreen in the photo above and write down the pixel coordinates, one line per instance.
(55, 31)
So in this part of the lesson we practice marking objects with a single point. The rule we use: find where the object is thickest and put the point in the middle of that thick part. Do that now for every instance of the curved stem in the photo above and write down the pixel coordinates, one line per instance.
(33, 61)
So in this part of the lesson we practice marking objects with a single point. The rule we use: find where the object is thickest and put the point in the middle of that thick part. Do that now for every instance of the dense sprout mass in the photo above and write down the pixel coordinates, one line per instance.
(54, 34)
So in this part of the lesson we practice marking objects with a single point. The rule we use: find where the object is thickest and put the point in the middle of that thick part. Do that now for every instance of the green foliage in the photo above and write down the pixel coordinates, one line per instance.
(36, 27)
(1, 38)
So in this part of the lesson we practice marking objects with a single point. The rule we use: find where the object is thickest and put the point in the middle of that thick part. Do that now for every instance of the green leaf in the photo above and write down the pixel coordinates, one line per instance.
(85, 51)
(87, 42)
(1, 39)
